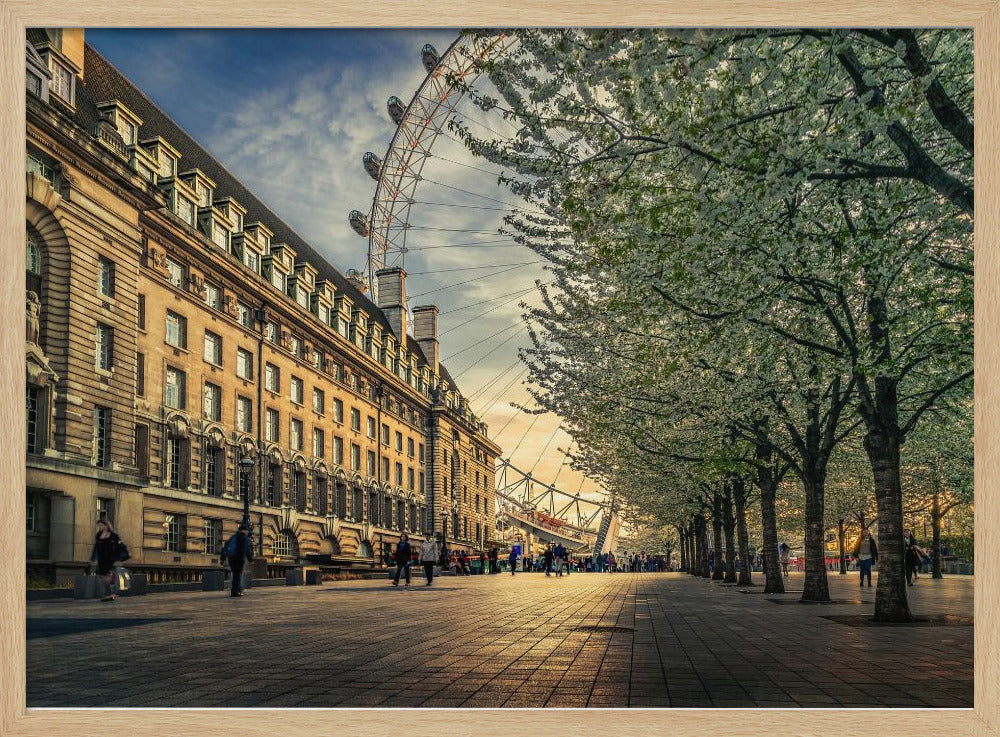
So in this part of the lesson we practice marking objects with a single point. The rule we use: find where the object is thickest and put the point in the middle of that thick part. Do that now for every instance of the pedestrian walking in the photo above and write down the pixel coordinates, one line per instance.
(548, 556)
(913, 556)
(866, 551)
(237, 551)
(513, 559)
(403, 555)
(108, 549)
(482, 562)
(494, 556)
(784, 553)
(428, 557)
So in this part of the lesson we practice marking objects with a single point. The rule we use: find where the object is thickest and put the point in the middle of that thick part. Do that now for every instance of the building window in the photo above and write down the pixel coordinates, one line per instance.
(244, 314)
(409, 479)
(175, 464)
(355, 419)
(33, 255)
(176, 393)
(298, 499)
(385, 435)
(385, 468)
(213, 348)
(104, 341)
(298, 390)
(175, 273)
(338, 411)
(220, 236)
(271, 425)
(420, 449)
(106, 509)
(320, 494)
(106, 276)
(317, 359)
(296, 344)
(140, 448)
(319, 443)
(244, 414)
(62, 82)
(273, 490)
(319, 401)
(244, 364)
(285, 545)
(271, 332)
(33, 83)
(213, 296)
(302, 297)
(141, 312)
(272, 378)
(421, 477)
(102, 436)
(176, 330)
(399, 442)
(185, 210)
(371, 463)
(251, 260)
(34, 439)
(278, 280)
(44, 167)
(168, 164)
(371, 428)
(409, 447)
(295, 438)
(399, 474)
(172, 525)
(338, 451)
(355, 457)
(213, 536)
(215, 471)
(359, 503)
(213, 402)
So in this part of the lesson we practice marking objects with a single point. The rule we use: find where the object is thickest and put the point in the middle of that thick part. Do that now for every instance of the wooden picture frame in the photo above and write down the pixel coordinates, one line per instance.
(981, 15)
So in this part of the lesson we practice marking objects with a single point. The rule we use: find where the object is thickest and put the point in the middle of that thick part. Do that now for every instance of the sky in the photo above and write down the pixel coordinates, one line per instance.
(291, 113)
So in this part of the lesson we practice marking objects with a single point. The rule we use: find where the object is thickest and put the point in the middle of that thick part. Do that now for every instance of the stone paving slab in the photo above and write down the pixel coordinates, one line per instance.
(587, 640)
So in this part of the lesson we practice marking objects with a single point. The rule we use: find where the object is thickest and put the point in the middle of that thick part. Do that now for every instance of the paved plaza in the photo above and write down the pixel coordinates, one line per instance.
(595, 640)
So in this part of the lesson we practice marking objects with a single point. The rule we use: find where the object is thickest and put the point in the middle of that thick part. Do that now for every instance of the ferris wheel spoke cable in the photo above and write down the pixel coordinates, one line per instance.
(409, 227)
(471, 268)
(467, 281)
(500, 394)
(483, 357)
(483, 340)
(564, 461)
(546, 447)
(486, 312)
(523, 436)
(468, 244)
(506, 424)
(492, 382)
(494, 299)
(465, 191)
(459, 206)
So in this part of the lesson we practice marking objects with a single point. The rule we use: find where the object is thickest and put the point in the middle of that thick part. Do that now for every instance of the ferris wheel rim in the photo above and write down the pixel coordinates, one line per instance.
(464, 40)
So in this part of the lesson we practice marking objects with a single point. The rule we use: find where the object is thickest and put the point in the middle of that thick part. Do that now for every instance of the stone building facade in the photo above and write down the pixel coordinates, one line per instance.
(176, 325)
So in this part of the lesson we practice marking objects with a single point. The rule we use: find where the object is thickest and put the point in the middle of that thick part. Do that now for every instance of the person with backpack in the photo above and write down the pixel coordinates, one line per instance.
(108, 549)
(866, 553)
(512, 559)
(402, 557)
(238, 551)
(548, 556)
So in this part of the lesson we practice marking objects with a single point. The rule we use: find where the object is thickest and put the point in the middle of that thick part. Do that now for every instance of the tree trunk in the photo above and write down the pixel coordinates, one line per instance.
(729, 526)
(742, 536)
(694, 551)
(882, 441)
(717, 574)
(706, 571)
(936, 533)
(682, 535)
(767, 483)
(815, 587)
(841, 541)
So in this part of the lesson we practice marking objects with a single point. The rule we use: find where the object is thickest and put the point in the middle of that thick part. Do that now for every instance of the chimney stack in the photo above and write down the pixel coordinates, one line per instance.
(425, 332)
(392, 299)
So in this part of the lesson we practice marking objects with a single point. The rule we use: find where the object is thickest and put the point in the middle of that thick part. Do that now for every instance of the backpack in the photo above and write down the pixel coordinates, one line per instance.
(229, 549)
(122, 552)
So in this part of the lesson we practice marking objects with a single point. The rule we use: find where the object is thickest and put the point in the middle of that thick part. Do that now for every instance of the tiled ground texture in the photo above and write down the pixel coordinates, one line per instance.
(490, 641)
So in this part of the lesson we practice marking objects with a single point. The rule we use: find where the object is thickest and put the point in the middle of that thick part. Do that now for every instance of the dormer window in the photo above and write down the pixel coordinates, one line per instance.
(302, 297)
(168, 165)
(278, 280)
(220, 236)
(251, 260)
(127, 131)
(63, 81)
(185, 209)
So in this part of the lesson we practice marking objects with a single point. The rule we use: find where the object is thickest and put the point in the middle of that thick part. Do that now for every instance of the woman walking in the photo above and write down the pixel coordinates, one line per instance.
(402, 557)
(866, 551)
(784, 553)
(107, 551)
(428, 557)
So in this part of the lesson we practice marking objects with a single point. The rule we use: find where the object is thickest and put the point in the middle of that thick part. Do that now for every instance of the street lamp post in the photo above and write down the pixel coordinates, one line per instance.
(246, 469)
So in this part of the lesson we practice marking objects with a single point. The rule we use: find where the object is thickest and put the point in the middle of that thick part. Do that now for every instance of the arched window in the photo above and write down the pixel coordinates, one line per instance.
(33, 262)
(285, 545)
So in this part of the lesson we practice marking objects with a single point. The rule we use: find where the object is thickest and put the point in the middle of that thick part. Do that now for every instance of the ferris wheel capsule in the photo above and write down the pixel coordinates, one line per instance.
(373, 165)
(430, 57)
(396, 109)
(359, 222)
